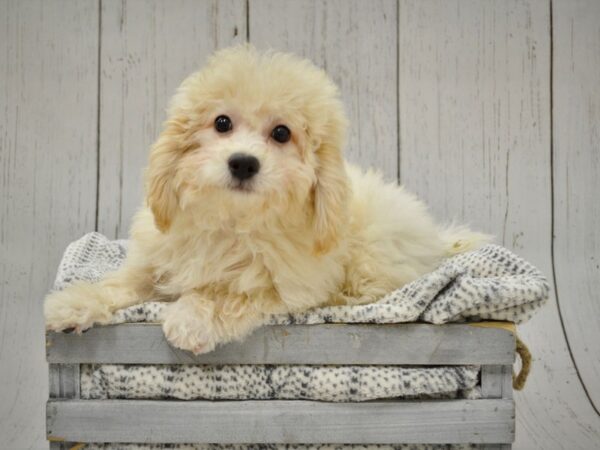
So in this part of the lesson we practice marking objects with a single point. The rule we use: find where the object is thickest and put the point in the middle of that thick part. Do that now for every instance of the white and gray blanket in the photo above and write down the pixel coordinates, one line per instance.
(491, 283)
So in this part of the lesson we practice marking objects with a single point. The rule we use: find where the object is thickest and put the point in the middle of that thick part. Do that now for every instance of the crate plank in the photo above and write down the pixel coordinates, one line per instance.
(406, 344)
(235, 422)
(63, 380)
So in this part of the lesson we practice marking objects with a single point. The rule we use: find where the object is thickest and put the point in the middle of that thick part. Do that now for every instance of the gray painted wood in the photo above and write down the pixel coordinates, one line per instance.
(491, 381)
(280, 421)
(410, 344)
(475, 129)
(496, 381)
(355, 42)
(576, 150)
(64, 380)
(148, 48)
(507, 382)
(64, 446)
(48, 107)
(64, 383)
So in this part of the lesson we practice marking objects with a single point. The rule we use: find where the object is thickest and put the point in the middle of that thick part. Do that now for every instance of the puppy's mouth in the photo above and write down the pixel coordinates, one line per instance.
(241, 186)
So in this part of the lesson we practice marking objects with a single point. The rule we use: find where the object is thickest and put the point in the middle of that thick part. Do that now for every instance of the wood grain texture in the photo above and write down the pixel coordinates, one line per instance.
(282, 421)
(63, 380)
(475, 145)
(148, 48)
(410, 344)
(496, 381)
(48, 107)
(64, 383)
(355, 42)
(474, 114)
(576, 148)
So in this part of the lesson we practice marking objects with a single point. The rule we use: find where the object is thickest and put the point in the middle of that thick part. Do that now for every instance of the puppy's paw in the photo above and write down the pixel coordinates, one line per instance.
(188, 325)
(74, 309)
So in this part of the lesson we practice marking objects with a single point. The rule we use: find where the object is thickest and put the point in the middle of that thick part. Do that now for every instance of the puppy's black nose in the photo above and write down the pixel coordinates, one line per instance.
(243, 166)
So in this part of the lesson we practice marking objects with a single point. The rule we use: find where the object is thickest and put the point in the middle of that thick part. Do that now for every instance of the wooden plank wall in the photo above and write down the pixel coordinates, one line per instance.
(576, 171)
(490, 111)
(48, 120)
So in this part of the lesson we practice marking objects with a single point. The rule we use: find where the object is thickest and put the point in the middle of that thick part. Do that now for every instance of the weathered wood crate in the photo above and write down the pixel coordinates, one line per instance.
(488, 421)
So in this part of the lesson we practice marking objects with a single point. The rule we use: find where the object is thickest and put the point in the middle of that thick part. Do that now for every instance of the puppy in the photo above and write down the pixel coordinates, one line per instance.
(251, 210)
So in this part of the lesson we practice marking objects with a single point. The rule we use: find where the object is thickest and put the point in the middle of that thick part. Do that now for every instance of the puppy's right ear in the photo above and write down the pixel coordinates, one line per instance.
(161, 188)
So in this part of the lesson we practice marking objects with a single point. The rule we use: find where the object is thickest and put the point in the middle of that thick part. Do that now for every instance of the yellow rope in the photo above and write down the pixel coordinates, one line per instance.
(525, 355)
(508, 326)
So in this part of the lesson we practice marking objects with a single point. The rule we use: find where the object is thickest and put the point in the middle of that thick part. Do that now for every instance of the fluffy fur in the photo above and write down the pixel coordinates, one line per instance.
(307, 230)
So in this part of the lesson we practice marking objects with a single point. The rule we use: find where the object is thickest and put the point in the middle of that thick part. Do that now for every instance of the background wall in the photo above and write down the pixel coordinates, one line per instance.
(489, 110)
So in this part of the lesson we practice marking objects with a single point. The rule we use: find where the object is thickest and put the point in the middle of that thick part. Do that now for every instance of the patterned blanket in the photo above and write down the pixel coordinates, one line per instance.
(490, 283)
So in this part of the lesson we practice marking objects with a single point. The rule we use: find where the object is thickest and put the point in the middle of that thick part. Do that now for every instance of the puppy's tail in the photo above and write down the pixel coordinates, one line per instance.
(459, 239)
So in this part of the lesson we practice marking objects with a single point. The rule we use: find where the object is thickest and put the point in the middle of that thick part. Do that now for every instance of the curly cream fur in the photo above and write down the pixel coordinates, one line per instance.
(309, 230)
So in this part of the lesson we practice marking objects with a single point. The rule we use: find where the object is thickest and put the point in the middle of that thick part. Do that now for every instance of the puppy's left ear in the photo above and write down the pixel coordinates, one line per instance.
(331, 195)
(161, 188)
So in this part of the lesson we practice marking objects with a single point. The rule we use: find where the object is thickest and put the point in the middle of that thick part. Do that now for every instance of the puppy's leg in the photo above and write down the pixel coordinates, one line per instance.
(198, 324)
(83, 304)
(189, 323)
(367, 280)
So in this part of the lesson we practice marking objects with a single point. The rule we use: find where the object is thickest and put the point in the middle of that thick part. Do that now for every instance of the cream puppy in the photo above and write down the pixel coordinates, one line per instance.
(251, 210)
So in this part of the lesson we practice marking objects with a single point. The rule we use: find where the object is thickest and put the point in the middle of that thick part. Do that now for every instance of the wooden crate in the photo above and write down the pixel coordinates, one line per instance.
(489, 421)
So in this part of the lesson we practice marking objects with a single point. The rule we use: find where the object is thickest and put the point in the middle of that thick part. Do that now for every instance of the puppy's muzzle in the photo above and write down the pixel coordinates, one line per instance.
(243, 166)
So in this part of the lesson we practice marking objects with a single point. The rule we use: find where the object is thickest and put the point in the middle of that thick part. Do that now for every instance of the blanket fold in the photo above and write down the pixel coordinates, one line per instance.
(490, 283)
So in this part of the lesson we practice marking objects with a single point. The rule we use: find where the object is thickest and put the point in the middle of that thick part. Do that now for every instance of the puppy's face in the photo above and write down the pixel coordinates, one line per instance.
(253, 136)
(248, 154)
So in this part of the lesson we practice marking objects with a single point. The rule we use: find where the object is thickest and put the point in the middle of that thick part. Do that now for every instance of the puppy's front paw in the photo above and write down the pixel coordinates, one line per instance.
(188, 325)
(76, 308)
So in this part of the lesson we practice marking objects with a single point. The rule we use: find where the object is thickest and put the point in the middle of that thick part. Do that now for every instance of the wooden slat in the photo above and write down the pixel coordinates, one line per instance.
(233, 422)
(409, 344)
(355, 42)
(64, 384)
(48, 119)
(496, 381)
(491, 381)
(576, 132)
(148, 48)
(64, 380)
(61, 445)
(507, 382)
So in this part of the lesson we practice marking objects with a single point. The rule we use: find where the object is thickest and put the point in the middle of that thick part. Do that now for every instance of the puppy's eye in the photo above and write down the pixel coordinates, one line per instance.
(281, 134)
(223, 124)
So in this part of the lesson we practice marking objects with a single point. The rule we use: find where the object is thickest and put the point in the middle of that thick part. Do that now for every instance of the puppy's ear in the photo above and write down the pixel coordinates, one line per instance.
(161, 189)
(331, 194)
